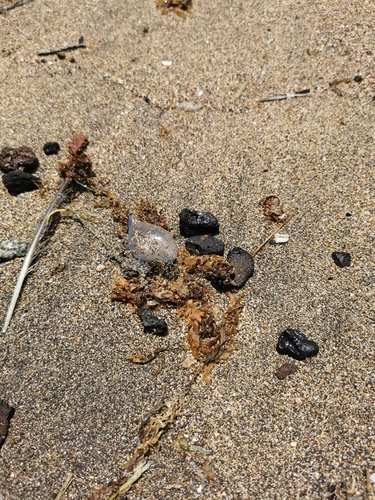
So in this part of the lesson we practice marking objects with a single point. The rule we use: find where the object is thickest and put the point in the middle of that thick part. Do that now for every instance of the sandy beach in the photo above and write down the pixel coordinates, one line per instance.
(171, 108)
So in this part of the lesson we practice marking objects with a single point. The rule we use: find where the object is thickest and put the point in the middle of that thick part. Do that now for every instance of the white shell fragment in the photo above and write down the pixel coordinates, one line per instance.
(281, 238)
(149, 242)
(188, 106)
(166, 63)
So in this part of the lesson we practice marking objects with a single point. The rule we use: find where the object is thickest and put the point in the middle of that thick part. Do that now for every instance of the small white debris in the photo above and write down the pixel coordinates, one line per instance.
(199, 93)
(199, 489)
(281, 238)
(293, 444)
(188, 106)
(372, 478)
(100, 268)
(120, 81)
(166, 63)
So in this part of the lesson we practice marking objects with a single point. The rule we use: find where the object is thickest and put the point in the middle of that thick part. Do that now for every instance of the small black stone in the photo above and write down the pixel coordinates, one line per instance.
(296, 345)
(151, 323)
(341, 259)
(358, 78)
(243, 264)
(193, 222)
(204, 245)
(18, 182)
(51, 148)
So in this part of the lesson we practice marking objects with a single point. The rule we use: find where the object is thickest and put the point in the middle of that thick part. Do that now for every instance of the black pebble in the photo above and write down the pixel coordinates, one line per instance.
(193, 222)
(296, 345)
(341, 259)
(204, 245)
(51, 148)
(243, 264)
(358, 78)
(18, 182)
(151, 323)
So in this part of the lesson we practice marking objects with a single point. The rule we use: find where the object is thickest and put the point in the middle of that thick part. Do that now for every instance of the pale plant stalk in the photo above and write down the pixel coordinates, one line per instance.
(33, 247)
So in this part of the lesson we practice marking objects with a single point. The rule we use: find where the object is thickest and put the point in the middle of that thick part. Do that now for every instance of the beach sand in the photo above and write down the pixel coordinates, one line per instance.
(78, 401)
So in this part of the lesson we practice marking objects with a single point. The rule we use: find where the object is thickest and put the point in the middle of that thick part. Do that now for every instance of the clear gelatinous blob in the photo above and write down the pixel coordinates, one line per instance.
(149, 242)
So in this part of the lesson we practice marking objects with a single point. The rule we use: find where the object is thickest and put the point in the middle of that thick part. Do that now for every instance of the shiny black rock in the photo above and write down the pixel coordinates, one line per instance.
(193, 222)
(341, 259)
(296, 345)
(151, 323)
(204, 245)
(51, 148)
(18, 182)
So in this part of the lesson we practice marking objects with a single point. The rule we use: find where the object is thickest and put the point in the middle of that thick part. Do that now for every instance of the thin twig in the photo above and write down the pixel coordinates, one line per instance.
(17, 4)
(65, 486)
(300, 93)
(33, 247)
(270, 236)
(62, 49)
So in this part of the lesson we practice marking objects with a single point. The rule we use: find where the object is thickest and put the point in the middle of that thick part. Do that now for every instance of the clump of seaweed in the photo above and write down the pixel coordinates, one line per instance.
(148, 212)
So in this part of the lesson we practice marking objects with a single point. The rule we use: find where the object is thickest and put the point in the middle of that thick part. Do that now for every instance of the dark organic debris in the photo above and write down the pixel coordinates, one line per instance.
(80, 45)
(78, 169)
(211, 342)
(212, 267)
(341, 259)
(204, 245)
(151, 323)
(242, 263)
(358, 78)
(147, 212)
(143, 359)
(6, 413)
(51, 148)
(296, 344)
(10, 249)
(22, 159)
(193, 222)
(78, 144)
(273, 209)
(285, 370)
(179, 7)
(300, 93)
(18, 182)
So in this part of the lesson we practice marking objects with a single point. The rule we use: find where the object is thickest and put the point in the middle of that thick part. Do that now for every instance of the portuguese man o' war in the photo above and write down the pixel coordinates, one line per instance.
(150, 243)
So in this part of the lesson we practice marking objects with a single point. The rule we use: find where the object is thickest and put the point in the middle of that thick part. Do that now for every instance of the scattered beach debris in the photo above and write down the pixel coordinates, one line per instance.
(22, 159)
(188, 106)
(143, 359)
(18, 182)
(300, 93)
(51, 148)
(152, 323)
(15, 5)
(193, 222)
(149, 242)
(179, 7)
(273, 209)
(281, 238)
(285, 370)
(80, 45)
(204, 245)
(78, 144)
(166, 63)
(10, 249)
(341, 259)
(358, 78)
(296, 344)
(78, 169)
(148, 212)
(6, 413)
(242, 264)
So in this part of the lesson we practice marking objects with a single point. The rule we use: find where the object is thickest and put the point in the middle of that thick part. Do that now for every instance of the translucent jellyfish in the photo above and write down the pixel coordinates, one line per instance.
(149, 242)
